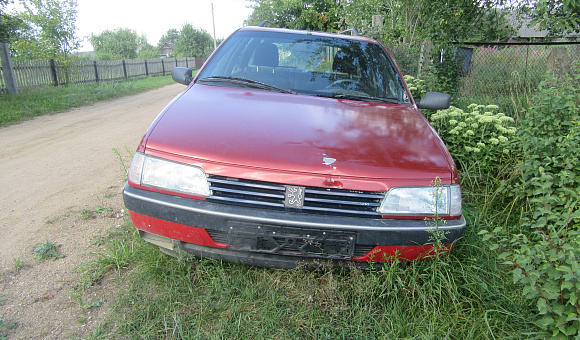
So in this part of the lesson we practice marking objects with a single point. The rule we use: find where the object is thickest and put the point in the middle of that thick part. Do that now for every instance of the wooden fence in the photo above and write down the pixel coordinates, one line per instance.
(31, 74)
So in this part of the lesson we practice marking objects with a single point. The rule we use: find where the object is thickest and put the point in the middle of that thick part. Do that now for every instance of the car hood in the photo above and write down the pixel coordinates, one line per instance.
(296, 133)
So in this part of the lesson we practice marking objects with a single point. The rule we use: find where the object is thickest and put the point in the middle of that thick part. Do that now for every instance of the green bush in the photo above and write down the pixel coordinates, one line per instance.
(544, 248)
(416, 86)
(479, 136)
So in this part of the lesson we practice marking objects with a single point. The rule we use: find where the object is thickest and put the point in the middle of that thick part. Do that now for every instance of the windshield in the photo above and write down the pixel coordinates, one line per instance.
(306, 64)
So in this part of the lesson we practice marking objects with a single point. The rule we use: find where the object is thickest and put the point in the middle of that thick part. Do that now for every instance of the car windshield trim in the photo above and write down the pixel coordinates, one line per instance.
(247, 82)
(360, 97)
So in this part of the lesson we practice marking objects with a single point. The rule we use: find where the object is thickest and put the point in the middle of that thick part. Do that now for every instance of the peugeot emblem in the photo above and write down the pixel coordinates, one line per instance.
(294, 197)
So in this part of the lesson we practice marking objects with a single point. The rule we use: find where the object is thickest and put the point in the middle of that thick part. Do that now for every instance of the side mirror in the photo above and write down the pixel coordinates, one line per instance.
(434, 101)
(182, 75)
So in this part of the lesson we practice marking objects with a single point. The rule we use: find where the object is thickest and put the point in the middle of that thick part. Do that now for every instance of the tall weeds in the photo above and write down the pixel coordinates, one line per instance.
(462, 295)
(543, 248)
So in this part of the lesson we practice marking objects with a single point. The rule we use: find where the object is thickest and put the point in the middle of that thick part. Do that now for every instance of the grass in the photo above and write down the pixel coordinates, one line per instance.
(17, 263)
(124, 160)
(89, 214)
(467, 294)
(55, 219)
(4, 326)
(100, 209)
(27, 105)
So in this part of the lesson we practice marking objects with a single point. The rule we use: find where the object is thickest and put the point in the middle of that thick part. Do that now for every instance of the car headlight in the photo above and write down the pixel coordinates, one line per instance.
(167, 175)
(443, 200)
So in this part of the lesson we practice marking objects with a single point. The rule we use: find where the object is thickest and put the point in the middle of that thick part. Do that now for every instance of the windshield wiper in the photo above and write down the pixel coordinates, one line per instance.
(247, 82)
(361, 97)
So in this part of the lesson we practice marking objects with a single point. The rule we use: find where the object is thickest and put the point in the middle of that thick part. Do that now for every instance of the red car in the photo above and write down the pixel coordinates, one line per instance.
(292, 146)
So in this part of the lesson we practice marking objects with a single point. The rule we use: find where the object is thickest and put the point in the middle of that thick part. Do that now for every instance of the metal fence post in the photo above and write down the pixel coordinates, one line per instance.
(146, 68)
(8, 69)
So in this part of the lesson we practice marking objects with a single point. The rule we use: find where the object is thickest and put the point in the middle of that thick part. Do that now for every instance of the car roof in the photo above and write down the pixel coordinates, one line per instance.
(312, 33)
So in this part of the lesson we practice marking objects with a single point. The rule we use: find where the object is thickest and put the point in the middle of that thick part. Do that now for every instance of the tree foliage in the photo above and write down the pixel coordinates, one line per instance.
(170, 37)
(316, 15)
(193, 42)
(402, 21)
(147, 51)
(122, 43)
(10, 24)
(50, 31)
(557, 16)
(410, 22)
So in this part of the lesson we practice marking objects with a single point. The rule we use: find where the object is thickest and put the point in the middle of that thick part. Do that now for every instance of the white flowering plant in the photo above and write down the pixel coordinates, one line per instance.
(480, 135)
(416, 86)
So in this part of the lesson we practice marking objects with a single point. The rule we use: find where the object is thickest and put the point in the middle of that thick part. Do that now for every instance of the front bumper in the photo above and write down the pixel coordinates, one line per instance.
(249, 235)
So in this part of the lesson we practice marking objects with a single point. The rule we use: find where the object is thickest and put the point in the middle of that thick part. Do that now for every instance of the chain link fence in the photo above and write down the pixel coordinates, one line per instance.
(505, 74)
(406, 58)
(515, 69)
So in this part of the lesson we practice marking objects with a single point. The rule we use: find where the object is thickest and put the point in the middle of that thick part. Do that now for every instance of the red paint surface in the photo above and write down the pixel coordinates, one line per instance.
(404, 253)
(174, 230)
(267, 133)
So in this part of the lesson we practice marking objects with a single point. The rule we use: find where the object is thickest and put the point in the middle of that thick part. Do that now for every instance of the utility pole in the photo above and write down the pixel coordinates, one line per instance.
(213, 20)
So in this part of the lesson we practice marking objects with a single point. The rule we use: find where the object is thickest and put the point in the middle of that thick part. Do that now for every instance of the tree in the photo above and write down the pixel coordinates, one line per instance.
(557, 16)
(407, 22)
(51, 29)
(457, 21)
(121, 43)
(146, 50)
(171, 36)
(9, 24)
(193, 42)
(410, 22)
(317, 15)
(401, 19)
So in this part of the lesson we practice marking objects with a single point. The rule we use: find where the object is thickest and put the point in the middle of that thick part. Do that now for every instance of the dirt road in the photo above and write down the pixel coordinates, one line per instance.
(51, 168)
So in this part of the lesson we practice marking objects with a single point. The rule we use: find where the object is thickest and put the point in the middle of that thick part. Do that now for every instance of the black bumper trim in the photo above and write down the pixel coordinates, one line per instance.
(257, 259)
(214, 216)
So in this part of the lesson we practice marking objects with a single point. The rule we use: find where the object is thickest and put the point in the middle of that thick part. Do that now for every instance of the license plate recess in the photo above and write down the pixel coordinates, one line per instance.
(290, 241)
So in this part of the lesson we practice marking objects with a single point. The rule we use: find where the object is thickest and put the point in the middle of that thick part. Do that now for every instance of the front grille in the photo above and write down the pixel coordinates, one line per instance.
(267, 195)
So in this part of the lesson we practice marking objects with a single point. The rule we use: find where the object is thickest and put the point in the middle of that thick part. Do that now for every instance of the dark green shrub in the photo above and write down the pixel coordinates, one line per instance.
(544, 249)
